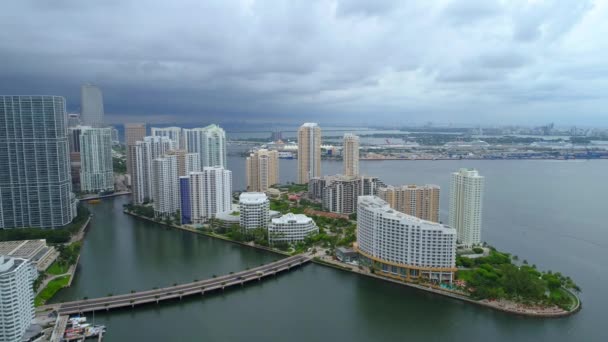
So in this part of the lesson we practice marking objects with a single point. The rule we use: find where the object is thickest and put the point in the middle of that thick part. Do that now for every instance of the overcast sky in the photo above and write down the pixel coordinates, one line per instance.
(358, 62)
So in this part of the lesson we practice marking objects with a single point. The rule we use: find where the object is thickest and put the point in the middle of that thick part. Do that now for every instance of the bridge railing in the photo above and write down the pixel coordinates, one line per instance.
(182, 289)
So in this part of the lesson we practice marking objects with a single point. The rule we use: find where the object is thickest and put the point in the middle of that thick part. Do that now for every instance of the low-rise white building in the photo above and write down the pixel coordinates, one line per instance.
(291, 228)
(254, 210)
(16, 297)
(404, 246)
(37, 252)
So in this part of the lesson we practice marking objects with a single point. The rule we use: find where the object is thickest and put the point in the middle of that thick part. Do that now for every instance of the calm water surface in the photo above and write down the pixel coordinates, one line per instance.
(551, 213)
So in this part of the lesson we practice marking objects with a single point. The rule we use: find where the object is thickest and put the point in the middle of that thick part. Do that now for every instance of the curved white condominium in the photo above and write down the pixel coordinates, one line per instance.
(402, 245)
(291, 228)
(254, 210)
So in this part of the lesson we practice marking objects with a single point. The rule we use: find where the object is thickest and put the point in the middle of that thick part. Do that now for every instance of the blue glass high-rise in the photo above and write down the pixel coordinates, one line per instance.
(35, 180)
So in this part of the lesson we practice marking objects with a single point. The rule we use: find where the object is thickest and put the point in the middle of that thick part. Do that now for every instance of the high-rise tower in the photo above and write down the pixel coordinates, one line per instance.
(209, 142)
(421, 201)
(217, 191)
(146, 151)
(262, 169)
(466, 197)
(173, 133)
(166, 186)
(91, 106)
(309, 152)
(134, 132)
(97, 172)
(35, 181)
(350, 154)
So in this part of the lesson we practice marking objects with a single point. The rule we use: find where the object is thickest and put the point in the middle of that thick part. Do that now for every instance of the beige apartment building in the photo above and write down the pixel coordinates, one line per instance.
(133, 132)
(262, 170)
(350, 154)
(309, 152)
(186, 162)
(421, 201)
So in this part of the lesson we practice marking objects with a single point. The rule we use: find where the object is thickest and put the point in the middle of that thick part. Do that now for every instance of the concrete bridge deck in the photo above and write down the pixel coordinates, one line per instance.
(179, 291)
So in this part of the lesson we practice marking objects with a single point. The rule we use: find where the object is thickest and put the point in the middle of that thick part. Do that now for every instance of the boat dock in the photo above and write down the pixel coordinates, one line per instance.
(75, 329)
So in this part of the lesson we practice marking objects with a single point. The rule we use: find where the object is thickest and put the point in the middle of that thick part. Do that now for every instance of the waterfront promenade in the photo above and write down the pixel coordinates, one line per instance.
(179, 291)
(500, 305)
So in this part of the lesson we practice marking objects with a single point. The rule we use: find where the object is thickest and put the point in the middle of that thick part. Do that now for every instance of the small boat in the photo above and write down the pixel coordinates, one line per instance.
(77, 319)
(94, 331)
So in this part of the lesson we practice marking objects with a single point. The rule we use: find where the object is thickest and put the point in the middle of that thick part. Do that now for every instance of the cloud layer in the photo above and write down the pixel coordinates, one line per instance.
(392, 62)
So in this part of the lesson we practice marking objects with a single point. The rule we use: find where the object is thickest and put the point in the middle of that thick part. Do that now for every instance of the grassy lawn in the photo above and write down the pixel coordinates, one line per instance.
(57, 269)
(573, 300)
(298, 187)
(49, 291)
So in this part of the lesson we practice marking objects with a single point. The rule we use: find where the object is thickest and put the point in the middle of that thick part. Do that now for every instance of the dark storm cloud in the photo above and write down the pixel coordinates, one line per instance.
(328, 60)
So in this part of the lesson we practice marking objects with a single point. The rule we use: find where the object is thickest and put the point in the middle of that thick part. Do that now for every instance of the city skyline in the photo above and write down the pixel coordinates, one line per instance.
(398, 160)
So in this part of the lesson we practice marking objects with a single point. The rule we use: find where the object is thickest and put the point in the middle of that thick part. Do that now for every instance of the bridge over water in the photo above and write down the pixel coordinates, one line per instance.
(179, 291)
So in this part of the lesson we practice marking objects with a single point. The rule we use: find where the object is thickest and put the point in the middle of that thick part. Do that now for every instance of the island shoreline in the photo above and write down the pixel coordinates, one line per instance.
(348, 268)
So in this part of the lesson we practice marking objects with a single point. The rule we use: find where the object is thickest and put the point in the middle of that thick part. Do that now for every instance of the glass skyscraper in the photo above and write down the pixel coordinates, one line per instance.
(35, 181)
(91, 106)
